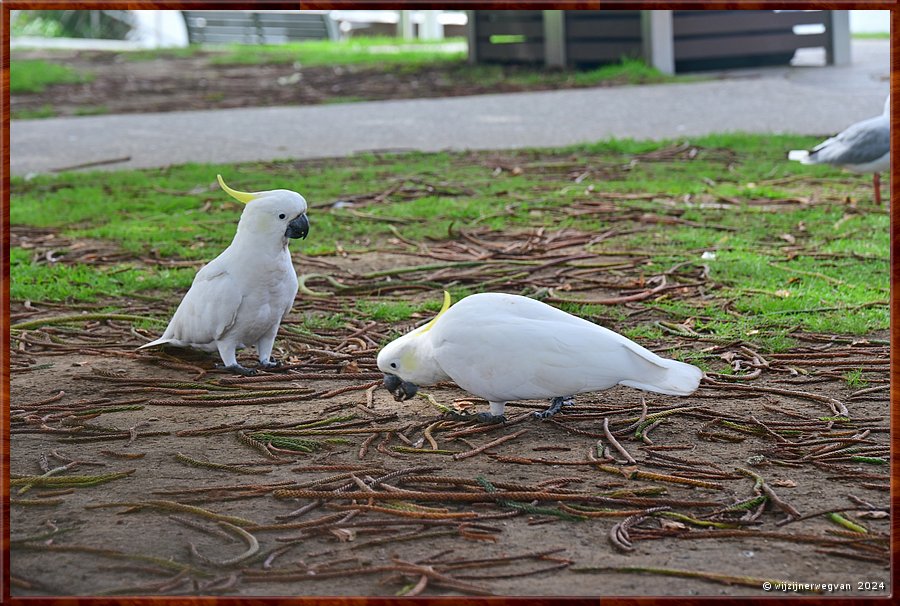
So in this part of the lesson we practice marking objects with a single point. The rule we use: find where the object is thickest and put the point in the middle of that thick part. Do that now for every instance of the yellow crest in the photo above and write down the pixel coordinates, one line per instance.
(444, 308)
(241, 196)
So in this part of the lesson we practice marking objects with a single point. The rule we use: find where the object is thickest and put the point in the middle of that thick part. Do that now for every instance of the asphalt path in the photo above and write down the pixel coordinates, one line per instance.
(803, 100)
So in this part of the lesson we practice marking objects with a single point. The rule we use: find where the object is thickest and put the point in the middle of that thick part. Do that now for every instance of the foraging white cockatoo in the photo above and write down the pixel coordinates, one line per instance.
(863, 147)
(241, 296)
(503, 347)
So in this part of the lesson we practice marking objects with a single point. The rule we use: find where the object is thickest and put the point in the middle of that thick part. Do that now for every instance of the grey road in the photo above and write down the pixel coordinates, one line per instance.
(804, 100)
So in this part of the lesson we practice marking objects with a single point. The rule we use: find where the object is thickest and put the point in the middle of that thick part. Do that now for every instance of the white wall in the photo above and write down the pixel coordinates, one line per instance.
(870, 21)
(159, 29)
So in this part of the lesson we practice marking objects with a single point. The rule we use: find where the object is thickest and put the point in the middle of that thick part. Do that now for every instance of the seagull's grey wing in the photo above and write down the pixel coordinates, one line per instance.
(860, 143)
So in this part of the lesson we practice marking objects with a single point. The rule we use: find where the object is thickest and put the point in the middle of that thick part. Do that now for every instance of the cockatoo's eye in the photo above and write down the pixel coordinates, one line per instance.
(393, 365)
(281, 216)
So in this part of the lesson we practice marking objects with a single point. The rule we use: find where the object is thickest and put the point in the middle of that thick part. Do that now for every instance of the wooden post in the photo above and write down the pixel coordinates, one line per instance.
(259, 34)
(405, 25)
(554, 38)
(430, 29)
(658, 37)
(837, 52)
(471, 37)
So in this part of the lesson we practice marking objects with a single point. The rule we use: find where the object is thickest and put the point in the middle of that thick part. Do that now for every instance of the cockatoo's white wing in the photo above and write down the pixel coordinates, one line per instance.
(504, 347)
(207, 311)
(291, 286)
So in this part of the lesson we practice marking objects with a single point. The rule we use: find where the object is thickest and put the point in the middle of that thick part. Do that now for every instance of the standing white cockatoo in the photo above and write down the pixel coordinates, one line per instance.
(504, 347)
(863, 147)
(241, 296)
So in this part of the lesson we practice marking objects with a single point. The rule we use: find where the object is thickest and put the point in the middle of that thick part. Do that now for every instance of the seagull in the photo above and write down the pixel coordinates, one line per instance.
(864, 147)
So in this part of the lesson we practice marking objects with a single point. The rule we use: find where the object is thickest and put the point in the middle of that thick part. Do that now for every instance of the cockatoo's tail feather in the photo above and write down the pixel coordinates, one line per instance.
(677, 379)
(159, 341)
(650, 372)
(241, 196)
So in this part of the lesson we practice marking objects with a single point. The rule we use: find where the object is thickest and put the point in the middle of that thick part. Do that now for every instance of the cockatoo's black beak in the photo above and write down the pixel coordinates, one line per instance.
(400, 389)
(298, 228)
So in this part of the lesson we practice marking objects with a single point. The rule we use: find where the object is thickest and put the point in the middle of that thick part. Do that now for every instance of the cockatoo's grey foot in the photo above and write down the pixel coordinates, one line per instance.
(556, 405)
(270, 363)
(238, 369)
(489, 419)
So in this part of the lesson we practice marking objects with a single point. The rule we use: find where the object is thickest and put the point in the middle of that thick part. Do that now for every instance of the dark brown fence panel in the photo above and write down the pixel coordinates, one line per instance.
(735, 46)
(598, 37)
(702, 39)
(692, 23)
(728, 39)
(510, 36)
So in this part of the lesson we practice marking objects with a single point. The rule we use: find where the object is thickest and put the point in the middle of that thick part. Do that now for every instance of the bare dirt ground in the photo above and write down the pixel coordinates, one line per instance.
(190, 83)
(153, 473)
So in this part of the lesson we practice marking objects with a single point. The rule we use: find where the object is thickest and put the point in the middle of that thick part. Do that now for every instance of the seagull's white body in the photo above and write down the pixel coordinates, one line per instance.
(241, 296)
(863, 147)
(504, 347)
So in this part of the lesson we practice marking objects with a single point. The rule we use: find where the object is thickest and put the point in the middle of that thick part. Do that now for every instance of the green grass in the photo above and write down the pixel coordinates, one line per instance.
(627, 71)
(346, 99)
(394, 53)
(35, 25)
(355, 51)
(872, 36)
(386, 311)
(856, 379)
(185, 52)
(35, 75)
(58, 282)
(92, 110)
(367, 57)
(631, 71)
(44, 111)
(396, 311)
(411, 56)
(759, 290)
(319, 321)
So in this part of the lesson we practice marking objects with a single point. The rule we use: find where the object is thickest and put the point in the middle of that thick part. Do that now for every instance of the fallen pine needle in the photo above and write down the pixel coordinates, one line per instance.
(173, 506)
(252, 547)
(482, 448)
(714, 577)
(842, 521)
